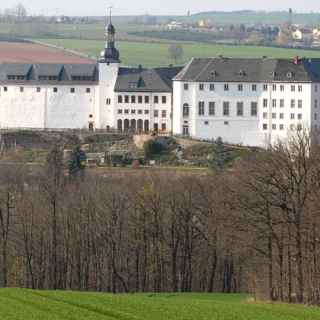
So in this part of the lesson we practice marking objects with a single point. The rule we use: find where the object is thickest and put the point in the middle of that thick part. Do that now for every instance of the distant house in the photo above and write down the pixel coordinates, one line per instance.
(316, 34)
(297, 35)
(175, 25)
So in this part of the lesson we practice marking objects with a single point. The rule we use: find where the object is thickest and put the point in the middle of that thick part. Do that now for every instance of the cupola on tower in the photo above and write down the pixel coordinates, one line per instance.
(110, 54)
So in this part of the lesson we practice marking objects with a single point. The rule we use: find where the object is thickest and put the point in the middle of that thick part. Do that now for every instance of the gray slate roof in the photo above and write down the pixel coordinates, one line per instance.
(146, 80)
(39, 73)
(250, 70)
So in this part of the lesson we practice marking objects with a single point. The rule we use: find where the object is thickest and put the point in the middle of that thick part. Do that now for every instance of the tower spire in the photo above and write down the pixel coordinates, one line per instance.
(110, 14)
(110, 53)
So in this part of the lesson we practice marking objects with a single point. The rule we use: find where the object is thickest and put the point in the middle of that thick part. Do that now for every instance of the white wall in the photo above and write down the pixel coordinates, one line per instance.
(21, 109)
(47, 109)
(150, 107)
(246, 129)
(107, 79)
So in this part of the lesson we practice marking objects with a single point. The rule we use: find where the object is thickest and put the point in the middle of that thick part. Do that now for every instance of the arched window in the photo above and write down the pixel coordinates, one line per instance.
(140, 125)
(119, 127)
(133, 125)
(126, 125)
(146, 125)
(186, 110)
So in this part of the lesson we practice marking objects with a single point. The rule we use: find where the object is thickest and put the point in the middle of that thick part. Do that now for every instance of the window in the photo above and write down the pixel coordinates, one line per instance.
(108, 101)
(292, 116)
(316, 104)
(186, 110)
(240, 109)
(140, 99)
(299, 127)
(315, 116)
(212, 108)
(201, 108)
(293, 88)
(163, 113)
(274, 103)
(299, 116)
(281, 127)
(133, 111)
(119, 111)
(206, 123)
(226, 108)
(292, 127)
(186, 86)
(281, 115)
(265, 87)
(281, 103)
(274, 87)
(156, 113)
(146, 99)
(265, 103)
(212, 87)
(164, 99)
(21, 89)
(299, 104)
(226, 87)
(146, 111)
(133, 99)
(55, 90)
(254, 109)
(254, 87)
(300, 88)
(5, 89)
(163, 127)
(126, 99)
(88, 90)
(201, 86)
(139, 111)
(240, 87)
(126, 111)
(274, 127)
(38, 89)
(293, 103)
(316, 88)
(282, 87)
(265, 115)
(265, 126)
(72, 90)
(119, 99)
(226, 123)
(274, 116)
(155, 99)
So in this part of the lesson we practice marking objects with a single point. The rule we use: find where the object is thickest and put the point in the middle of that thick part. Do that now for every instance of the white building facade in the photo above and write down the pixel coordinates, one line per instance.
(253, 102)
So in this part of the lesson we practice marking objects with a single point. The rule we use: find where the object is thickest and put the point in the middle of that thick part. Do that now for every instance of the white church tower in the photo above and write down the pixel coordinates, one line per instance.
(109, 64)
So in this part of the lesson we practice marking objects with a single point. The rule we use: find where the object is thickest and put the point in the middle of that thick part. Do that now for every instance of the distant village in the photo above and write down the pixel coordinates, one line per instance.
(191, 28)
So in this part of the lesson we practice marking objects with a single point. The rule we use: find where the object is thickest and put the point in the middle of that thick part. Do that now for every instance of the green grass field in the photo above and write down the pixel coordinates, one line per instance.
(18, 304)
(156, 54)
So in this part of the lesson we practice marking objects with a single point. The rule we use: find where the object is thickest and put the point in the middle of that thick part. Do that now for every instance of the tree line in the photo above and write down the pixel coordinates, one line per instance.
(254, 228)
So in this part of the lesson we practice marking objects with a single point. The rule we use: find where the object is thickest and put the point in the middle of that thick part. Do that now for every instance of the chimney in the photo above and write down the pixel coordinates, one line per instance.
(296, 60)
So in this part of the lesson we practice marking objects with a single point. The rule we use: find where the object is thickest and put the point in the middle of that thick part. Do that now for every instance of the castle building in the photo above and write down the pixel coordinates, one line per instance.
(253, 102)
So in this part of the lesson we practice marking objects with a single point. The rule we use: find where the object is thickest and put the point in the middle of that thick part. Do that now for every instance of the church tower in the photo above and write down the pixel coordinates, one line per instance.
(109, 64)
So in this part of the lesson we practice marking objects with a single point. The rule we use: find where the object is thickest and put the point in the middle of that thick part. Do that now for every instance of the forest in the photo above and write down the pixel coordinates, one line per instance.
(253, 228)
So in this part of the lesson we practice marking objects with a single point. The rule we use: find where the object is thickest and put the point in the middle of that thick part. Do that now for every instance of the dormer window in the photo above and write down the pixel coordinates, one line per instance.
(214, 73)
(133, 85)
(290, 75)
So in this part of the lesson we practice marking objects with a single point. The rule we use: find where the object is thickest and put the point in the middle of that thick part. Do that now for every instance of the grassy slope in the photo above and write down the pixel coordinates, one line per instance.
(156, 54)
(17, 304)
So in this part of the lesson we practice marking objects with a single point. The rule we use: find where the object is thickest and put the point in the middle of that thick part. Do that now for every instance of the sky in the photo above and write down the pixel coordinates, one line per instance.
(158, 7)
